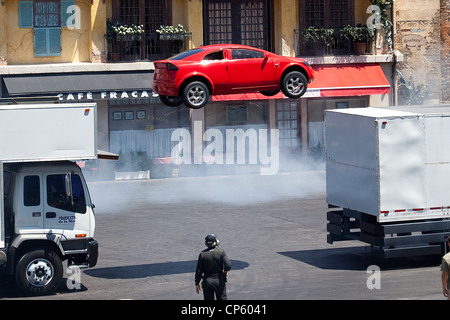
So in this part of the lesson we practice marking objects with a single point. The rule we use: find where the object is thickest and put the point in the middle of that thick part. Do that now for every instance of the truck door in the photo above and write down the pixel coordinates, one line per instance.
(28, 204)
(65, 209)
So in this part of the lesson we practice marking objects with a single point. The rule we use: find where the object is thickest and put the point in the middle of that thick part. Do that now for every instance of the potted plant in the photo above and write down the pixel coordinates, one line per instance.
(122, 32)
(359, 35)
(171, 32)
(322, 35)
(174, 37)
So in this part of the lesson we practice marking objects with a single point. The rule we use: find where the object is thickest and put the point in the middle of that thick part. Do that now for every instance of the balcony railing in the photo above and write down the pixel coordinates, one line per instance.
(147, 46)
(339, 45)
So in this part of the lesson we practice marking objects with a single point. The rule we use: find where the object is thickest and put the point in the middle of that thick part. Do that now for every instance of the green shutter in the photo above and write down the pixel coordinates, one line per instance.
(67, 19)
(54, 41)
(47, 42)
(40, 42)
(25, 14)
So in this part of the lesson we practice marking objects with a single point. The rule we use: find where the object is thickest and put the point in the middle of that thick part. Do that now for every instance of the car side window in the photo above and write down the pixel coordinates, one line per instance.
(246, 54)
(214, 56)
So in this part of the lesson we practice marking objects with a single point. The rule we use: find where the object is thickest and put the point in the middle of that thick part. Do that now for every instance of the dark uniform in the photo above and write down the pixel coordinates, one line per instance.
(212, 266)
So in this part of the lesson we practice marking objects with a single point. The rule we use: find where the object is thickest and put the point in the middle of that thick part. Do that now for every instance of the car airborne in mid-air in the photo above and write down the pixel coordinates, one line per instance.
(192, 76)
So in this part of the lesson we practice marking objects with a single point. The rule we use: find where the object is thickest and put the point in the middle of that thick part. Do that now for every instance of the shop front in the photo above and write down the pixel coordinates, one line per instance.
(231, 134)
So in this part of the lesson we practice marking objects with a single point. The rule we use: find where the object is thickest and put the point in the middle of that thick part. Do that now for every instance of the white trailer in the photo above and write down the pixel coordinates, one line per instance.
(386, 178)
(46, 214)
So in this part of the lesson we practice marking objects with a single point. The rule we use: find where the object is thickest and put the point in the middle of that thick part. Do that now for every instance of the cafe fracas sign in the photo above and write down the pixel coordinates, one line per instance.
(106, 95)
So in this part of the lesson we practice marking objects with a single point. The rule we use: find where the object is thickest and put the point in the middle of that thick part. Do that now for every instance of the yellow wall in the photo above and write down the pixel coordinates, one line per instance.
(286, 20)
(78, 44)
(3, 54)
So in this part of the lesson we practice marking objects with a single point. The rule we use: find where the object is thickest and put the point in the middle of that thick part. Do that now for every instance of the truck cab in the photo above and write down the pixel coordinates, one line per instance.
(49, 218)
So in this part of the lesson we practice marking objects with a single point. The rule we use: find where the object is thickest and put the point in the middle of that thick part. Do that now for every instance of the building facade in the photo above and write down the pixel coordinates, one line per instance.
(67, 49)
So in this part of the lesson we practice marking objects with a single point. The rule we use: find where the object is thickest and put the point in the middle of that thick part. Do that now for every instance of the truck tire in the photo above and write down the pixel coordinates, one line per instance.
(38, 272)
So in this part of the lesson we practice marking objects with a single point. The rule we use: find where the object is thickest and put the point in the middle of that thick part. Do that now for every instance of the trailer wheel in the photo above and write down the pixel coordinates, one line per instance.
(38, 272)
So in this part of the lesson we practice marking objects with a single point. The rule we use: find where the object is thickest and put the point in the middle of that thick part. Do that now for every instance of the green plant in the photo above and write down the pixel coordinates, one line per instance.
(381, 15)
(114, 28)
(318, 34)
(358, 33)
(171, 29)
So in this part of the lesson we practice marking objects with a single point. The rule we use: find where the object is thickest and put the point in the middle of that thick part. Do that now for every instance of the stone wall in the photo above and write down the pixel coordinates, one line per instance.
(422, 37)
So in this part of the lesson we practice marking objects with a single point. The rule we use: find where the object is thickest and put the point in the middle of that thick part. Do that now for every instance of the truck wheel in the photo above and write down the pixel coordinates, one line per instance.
(38, 272)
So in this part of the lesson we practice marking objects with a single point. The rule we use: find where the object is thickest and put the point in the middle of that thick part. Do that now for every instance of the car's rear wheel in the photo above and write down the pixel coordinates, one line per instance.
(171, 101)
(294, 84)
(196, 94)
(270, 93)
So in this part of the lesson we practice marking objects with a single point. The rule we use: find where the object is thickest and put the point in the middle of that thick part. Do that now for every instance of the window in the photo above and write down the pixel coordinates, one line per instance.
(46, 17)
(287, 120)
(31, 191)
(334, 14)
(246, 54)
(65, 191)
(214, 56)
(46, 13)
(237, 21)
(151, 14)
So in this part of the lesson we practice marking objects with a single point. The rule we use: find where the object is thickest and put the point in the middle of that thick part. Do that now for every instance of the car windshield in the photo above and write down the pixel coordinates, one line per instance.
(186, 54)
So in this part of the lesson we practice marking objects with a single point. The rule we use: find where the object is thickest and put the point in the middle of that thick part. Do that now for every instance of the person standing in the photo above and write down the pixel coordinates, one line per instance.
(212, 266)
(445, 269)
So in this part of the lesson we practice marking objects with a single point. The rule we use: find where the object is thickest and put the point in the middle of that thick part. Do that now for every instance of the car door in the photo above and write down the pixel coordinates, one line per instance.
(251, 70)
(214, 65)
(65, 209)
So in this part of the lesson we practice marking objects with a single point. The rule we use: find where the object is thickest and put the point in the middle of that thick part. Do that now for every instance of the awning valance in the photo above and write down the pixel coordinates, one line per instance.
(63, 83)
(333, 81)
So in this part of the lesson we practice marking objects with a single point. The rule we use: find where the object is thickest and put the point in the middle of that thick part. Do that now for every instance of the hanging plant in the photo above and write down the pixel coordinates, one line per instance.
(381, 15)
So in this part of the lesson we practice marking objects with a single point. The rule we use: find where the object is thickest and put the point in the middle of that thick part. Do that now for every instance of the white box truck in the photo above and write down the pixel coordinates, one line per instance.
(387, 172)
(46, 214)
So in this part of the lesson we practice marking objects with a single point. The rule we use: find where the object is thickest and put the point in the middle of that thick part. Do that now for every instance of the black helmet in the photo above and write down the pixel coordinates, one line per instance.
(211, 240)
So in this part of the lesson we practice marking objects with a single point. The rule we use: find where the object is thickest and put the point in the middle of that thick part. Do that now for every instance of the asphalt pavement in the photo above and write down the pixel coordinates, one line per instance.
(273, 229)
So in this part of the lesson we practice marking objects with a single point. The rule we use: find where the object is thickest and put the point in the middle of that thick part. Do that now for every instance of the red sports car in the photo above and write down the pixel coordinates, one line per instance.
(192, 76)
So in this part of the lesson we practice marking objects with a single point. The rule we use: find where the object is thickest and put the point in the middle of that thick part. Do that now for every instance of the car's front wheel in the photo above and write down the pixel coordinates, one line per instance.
(171, 101)
(294, 84)
(196, 94)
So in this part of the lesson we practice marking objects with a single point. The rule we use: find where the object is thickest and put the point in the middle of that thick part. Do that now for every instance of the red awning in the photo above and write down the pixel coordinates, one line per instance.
(349, 80)
(332, 81)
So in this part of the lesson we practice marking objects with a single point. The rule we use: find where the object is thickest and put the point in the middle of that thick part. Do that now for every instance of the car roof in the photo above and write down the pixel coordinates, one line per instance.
(228, 46)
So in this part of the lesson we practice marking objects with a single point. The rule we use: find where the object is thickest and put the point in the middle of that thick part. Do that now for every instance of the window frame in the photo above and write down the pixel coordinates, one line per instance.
(340, 45)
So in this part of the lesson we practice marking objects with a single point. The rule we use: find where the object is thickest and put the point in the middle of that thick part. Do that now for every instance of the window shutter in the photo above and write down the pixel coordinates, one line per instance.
(67, 19)
(54, 41)
(47, 42)
(40, 42)
(25, 14)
